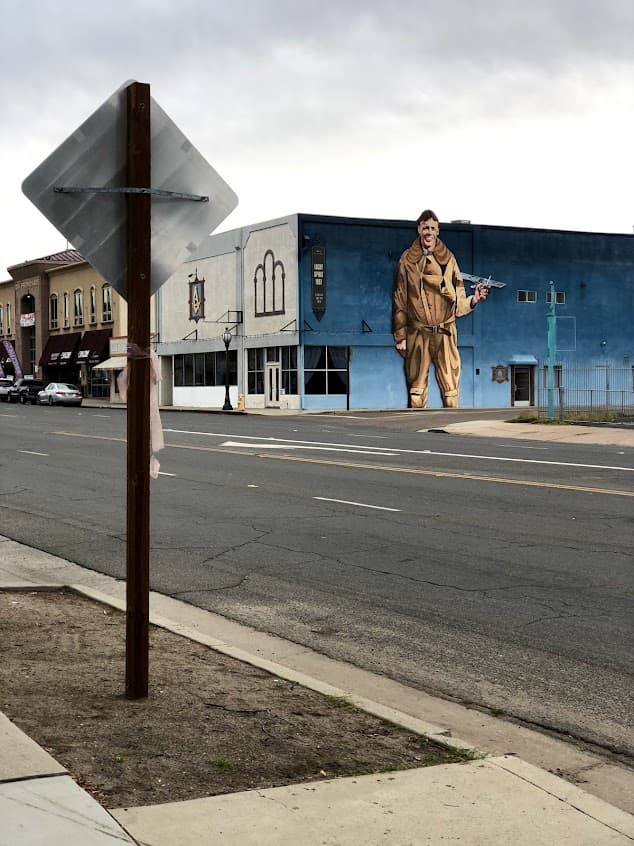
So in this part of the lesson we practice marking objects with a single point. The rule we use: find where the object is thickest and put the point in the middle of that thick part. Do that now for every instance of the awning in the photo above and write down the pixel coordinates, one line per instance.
(94, 346)
(117, 362)
(522, 359)
(60, 350)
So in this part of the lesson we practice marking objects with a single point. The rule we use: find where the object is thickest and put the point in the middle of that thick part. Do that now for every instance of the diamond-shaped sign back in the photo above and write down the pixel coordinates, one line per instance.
(94, 222)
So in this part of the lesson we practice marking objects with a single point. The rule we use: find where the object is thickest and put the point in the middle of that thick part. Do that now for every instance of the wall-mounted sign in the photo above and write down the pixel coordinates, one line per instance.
(196, 298)
(318, 277)
(27, 319)
(499, 373)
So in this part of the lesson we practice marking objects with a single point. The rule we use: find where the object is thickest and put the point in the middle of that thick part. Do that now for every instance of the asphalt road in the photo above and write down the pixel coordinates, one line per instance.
(495, 572)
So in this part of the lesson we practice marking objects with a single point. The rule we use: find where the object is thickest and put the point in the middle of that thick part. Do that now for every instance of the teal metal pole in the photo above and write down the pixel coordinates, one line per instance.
(552, 347)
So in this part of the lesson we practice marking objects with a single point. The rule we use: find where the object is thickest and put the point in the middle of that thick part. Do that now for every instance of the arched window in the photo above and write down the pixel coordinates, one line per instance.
(78, 307)
(1, 320)
(269, 281)
(92, 315)
(66, 310)
(106, 303)
(53, 317)
(9, 330)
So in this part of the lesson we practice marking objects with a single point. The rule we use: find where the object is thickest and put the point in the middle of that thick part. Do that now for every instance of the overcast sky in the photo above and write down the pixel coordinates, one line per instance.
(496, 111)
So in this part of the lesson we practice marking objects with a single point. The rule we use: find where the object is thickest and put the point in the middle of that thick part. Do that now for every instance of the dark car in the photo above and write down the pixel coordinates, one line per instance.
(25, 390)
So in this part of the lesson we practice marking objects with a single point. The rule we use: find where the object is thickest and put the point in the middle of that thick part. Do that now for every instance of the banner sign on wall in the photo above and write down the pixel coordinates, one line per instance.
(318, 272)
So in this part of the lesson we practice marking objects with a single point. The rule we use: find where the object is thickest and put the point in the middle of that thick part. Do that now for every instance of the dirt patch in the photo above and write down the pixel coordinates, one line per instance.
(211, 724)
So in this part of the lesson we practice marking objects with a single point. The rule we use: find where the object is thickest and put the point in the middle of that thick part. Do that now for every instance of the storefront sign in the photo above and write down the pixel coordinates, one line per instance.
(27, 319)
(318, 274)
(197, 298)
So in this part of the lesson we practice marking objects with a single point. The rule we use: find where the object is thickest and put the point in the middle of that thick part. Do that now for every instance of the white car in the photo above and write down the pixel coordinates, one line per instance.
(5, 384)
(60, 393)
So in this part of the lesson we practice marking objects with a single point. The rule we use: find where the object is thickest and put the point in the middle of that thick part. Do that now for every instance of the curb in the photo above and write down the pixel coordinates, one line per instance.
(432, 732)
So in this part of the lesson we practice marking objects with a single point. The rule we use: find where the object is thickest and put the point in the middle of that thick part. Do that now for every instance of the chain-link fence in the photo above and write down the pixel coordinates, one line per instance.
(601, 392)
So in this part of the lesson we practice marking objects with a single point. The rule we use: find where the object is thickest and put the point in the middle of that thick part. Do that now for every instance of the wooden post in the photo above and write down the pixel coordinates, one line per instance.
(138, 422)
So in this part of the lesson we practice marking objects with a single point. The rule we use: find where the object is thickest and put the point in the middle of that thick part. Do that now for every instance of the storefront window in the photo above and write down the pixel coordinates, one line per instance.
(285, 356)
(326, 370)
(204, 369)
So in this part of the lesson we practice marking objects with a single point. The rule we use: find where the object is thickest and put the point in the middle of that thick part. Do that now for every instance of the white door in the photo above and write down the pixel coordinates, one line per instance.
(272, 381)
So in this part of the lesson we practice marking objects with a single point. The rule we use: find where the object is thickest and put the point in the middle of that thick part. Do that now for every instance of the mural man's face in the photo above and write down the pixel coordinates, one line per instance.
(428, 231)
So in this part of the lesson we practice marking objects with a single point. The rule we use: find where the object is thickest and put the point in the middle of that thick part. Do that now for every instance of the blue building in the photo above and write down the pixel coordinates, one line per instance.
(308, 299)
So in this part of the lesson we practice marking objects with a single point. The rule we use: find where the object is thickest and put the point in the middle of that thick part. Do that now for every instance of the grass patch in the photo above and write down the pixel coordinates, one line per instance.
(339, 702)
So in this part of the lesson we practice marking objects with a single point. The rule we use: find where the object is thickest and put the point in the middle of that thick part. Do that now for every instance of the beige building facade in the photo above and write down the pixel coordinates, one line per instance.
(61, 317)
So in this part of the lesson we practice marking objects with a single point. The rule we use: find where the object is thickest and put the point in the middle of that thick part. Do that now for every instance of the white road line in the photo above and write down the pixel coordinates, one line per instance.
(398, 451)
(28, 452)
(359, 504)
(355, 450)
(518, 446)
(166, 474)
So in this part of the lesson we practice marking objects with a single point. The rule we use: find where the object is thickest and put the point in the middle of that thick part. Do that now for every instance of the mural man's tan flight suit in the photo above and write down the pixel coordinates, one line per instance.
(429, 295)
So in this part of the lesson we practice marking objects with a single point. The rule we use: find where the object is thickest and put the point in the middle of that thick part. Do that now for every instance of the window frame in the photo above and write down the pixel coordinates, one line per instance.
(106, 303)
(78, 307)
(326, 367)
(92, 306)
(200, 370)
(53, 311)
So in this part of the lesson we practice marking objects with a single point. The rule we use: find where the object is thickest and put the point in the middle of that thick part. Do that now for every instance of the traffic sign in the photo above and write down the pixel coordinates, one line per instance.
(81, 189)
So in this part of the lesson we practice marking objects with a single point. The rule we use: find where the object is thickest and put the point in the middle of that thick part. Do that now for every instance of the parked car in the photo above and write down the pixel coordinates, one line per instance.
(25, 390)
(5, 384)
(60, 393)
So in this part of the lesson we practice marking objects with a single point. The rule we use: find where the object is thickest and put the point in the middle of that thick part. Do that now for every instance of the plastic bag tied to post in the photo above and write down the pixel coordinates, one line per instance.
(156, 430)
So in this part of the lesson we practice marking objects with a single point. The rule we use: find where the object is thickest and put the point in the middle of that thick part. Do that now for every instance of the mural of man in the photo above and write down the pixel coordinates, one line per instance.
(429, 295)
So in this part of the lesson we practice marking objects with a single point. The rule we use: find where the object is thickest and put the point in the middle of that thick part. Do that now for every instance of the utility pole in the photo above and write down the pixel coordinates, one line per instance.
(552, 348)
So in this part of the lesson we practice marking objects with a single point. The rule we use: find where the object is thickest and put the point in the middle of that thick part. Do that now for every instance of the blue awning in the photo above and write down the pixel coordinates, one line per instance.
(523, 359)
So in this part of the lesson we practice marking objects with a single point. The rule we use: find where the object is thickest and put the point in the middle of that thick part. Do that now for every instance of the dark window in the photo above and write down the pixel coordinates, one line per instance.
(255, 371)
(53, 319)
(188, 378)
(179, 371)
(199, 369)
(289, 369)
(326, 370)
(204, 369)
(560, 297)
(210, 368)
(527, 296)
(557, 380)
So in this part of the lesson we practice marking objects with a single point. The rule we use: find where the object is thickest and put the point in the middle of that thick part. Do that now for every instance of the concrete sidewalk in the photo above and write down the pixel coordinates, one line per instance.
(501, 799)
(601, 435)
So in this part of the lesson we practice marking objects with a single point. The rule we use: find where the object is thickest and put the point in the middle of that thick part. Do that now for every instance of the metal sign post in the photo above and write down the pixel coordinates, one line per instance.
(552, 348)
(138, 422)
(96, 188)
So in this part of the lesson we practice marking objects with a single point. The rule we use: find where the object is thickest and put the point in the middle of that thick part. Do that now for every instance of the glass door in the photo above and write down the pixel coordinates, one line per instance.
(523, 383)
(272, 382)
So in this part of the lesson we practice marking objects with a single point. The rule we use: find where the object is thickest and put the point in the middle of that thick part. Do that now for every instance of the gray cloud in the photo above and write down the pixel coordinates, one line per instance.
(281, 84)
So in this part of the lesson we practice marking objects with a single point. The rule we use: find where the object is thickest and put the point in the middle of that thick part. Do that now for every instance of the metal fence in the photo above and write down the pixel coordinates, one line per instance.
(600, 392)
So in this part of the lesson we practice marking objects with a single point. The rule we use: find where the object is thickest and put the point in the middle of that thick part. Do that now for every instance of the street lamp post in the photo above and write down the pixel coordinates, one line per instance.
(226, 337)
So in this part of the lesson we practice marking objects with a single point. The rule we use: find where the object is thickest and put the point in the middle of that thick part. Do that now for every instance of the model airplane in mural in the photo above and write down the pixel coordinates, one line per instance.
(483, 281)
